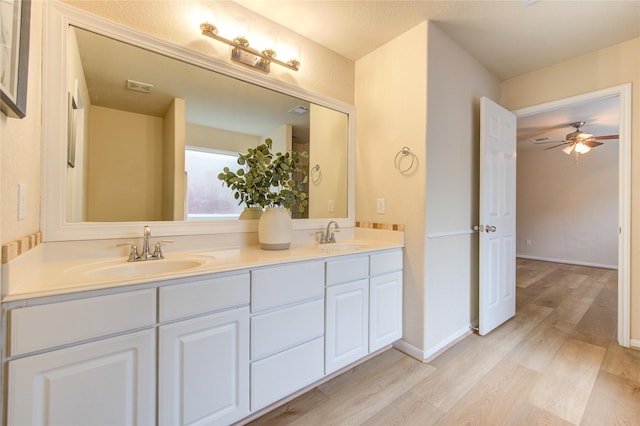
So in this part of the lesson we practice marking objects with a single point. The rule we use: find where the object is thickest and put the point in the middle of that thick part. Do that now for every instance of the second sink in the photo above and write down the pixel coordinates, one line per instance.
(342, 245)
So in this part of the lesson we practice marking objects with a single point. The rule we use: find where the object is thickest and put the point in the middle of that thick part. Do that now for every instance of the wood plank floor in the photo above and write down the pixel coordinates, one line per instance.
(557, 362)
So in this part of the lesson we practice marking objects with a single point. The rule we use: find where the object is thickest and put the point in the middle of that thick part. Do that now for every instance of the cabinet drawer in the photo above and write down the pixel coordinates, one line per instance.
(282, 374)
(198, 297)
(39, 327)
(347, 269)
(282, 285)
(277, 330)
(389, 261)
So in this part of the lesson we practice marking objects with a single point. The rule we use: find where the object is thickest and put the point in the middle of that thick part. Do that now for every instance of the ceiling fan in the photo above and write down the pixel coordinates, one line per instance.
(580, 141)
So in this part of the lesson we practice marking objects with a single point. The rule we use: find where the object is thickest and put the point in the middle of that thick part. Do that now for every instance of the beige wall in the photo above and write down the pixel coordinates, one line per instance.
(208, 137)
(601, 69)
(125, 166)
(428, 102)
(20, 148)
(568, 210)
(173, 145)
(456, 82)
(391, 96)
(329, 130)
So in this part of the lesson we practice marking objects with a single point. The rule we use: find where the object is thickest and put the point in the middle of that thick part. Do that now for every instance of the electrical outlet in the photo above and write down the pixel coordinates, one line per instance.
(380, 207)
(527, 242)
(330, 206)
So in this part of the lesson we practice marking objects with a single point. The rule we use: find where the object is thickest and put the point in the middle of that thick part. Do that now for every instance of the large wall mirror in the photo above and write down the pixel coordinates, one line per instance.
(139, 129)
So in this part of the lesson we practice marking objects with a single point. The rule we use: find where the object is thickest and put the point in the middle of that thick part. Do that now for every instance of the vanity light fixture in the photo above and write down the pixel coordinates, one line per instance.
(246, 55)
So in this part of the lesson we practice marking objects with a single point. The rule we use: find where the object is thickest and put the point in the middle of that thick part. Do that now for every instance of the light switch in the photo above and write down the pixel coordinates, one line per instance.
(380, 206)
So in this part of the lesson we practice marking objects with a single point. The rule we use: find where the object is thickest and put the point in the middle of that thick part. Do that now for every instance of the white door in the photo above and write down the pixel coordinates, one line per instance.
(497, 215)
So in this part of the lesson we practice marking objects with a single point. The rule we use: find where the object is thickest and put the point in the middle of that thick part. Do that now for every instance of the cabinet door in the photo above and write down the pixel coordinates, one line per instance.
(110, 381)
(385, 310)
(347, 324)
(204, 369)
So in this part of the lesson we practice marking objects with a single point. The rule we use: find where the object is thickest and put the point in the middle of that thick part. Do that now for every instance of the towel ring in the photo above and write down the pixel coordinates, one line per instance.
(316, 174)
(405, 151)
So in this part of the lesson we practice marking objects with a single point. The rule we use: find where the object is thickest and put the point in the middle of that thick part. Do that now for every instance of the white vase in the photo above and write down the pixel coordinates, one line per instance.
(251, 213)
(274, 229)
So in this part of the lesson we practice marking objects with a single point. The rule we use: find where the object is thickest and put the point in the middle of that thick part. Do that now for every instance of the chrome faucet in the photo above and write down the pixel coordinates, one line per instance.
(134, 256)
(146, 253)
(330, 237)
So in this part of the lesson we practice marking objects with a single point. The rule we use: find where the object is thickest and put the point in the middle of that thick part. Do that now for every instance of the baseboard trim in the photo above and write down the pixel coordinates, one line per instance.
(410, 350)
(634, 343)
(568, 262)
(435, 351)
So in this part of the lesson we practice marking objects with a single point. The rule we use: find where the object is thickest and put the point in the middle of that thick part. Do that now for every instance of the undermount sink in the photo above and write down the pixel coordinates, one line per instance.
(342, 245)
(123, 269)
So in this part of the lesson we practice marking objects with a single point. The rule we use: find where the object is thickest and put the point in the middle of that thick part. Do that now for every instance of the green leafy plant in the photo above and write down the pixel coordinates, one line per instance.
(266, 179)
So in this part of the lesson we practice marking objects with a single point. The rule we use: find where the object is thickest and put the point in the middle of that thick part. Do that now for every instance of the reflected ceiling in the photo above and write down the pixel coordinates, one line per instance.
(213, 100)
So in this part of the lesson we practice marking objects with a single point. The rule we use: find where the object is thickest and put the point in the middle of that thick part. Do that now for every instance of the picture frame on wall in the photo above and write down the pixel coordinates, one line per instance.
(72, 125)
(15, 19)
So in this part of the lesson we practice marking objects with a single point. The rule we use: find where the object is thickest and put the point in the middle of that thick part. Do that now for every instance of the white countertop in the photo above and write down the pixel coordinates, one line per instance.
(63, 277)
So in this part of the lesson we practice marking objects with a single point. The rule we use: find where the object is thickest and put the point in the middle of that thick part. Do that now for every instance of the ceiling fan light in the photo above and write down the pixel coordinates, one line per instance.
(582, 148)
(567, 149)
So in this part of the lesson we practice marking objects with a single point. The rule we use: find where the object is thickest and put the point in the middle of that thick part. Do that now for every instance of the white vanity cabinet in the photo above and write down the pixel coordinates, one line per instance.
(79, 373)
(212, 349)
(363, 306)
(203, 352)
(287, 329)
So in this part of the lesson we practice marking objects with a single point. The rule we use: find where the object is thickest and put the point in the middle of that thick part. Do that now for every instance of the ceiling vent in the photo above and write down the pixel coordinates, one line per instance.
(139, 86)
(299, 110)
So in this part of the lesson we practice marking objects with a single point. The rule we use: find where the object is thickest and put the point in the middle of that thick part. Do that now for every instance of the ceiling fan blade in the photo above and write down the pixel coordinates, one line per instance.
(540, 143)
(555, 146)
(591, 143)
(602, 138)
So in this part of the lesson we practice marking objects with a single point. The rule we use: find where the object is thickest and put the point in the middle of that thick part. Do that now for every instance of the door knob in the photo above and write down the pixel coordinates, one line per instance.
(490, 228)
(478, 228)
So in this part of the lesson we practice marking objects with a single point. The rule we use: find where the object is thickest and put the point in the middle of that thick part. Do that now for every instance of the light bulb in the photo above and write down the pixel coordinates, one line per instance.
(582, 148)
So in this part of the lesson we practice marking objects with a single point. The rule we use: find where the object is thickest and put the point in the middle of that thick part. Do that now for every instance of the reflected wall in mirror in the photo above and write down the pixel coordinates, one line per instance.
(142, 111)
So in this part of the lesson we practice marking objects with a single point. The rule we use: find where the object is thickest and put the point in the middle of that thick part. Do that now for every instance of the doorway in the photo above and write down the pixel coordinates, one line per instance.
(621, 94)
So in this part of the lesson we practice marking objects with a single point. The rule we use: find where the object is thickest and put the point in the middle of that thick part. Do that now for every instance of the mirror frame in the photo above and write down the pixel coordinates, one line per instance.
(58, 18)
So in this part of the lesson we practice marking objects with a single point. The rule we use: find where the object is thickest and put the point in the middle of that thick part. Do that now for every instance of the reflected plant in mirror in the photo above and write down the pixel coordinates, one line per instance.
(266, 179)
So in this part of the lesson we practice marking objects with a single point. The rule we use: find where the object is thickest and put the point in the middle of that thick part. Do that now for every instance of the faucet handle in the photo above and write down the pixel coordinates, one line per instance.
(133, 255)
(157, 253)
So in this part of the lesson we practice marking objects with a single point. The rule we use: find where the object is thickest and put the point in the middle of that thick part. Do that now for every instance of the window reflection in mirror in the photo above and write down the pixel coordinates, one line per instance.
(141, 112)
(205, 200)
